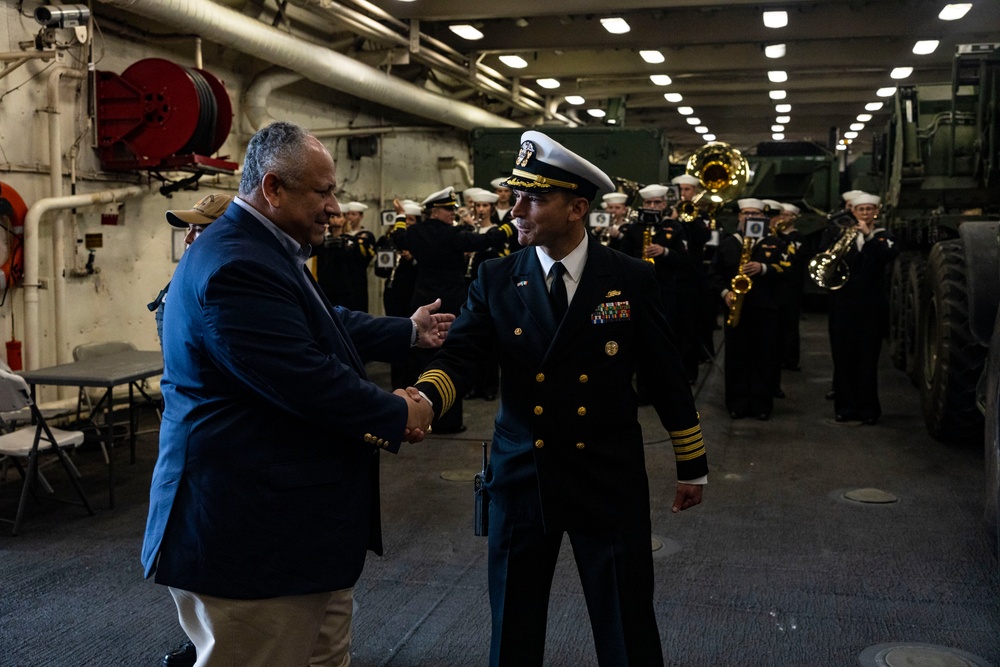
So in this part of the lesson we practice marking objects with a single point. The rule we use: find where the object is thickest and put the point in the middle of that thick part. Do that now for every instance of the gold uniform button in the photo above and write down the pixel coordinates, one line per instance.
(368, 437)
(584, 378)
(581, 411)
(580, 445)
(518, 331)
(539, 444)
(539, 410)
(540, 377)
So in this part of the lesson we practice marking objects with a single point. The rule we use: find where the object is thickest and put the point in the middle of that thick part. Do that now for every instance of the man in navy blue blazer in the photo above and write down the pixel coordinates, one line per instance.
(264, 499)
(572, 321)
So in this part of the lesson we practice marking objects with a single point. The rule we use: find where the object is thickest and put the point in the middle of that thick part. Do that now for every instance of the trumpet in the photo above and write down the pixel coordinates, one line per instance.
(647, 240)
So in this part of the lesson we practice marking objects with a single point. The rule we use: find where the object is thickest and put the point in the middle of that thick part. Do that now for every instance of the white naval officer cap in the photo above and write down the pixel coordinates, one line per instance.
(354, 206)
(653, 191)
(749, 203)
(443, 198)
(483, 197)
(851, 194)
(685, 179)
(865, 198)
(791, 208)
(615, 198)
(544, 165)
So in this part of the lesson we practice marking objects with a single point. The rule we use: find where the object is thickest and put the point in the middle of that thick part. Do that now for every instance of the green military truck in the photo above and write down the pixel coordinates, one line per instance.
(939, 162)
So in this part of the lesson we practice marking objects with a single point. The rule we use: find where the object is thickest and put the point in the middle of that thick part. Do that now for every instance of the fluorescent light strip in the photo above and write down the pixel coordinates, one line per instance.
(516, 62)
(616, 25)
(652, 57)
(466, 31)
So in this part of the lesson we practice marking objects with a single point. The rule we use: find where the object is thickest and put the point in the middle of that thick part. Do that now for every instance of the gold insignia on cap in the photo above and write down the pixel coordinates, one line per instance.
(612, 293)
(526, 153)
(611, 348)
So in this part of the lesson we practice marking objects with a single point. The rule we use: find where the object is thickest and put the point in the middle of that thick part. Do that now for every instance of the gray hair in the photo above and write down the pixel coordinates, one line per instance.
(276, 148)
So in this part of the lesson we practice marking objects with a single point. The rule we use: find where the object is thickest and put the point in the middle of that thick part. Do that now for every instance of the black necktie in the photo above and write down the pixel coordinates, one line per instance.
(557, 291)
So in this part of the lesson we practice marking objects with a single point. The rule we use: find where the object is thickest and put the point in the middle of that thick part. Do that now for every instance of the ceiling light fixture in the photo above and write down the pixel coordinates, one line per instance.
(776, 19)
(701, 129)
(548, 83)
(597, 113)
(685, 111)
(774, 50)
(901, 72)
(616, 25)
(466, 31)
(652, 57)
(778, 136)
(857, 127)
(783, 108)
(777, 128)
(955, 11)
(850, 135)
(783, 119)
(575, 99)
(673, 97)
(777, 94)
(612, 121)
(660, 79)
(516, 62)
(886, 92)
(925, 47)
(693, 121)
(841, 147)
(708, 137)
(777, 76)
(864, 117)
(874, 106)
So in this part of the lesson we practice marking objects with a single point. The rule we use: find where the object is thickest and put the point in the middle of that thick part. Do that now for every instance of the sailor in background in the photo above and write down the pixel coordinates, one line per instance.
(342, 261)
(784, 227)
(439, 248)
(696, 314)
(615, 204)
(859, 315)
(504, 200)
(751, 345)
(400, 280)
(573, 321)
(487, 378)
(361, 257)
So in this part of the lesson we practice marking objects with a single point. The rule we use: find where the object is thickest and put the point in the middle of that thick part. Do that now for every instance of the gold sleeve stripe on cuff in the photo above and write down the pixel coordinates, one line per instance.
(700, 444)
(444, 386)
(685, 432)
(684, 441)
(692, 456)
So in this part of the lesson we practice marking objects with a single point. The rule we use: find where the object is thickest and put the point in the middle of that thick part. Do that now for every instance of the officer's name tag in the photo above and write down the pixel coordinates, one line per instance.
(611, 311)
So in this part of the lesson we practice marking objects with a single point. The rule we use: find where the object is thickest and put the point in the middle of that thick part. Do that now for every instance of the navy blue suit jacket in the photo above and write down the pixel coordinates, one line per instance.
(267, 478)
(567, 446)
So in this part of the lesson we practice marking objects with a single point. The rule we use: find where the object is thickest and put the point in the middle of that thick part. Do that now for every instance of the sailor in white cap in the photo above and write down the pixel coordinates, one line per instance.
(687, 186)
(753, 256)
(849, 197)
(654, 196)
(859, 313)
(572, 321)
(439, 248)
(504, 202)
(616, 206)
(342, 261)
(783, 226)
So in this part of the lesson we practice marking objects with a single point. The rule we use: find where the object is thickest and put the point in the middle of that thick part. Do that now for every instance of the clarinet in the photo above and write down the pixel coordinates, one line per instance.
(392, 274)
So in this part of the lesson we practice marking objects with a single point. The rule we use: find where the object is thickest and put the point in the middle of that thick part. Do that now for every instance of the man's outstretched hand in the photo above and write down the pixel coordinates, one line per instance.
(432, 326)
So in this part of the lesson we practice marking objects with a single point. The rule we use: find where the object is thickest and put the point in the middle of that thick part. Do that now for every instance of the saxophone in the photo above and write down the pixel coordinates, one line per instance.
(647, 240)
(740, 284)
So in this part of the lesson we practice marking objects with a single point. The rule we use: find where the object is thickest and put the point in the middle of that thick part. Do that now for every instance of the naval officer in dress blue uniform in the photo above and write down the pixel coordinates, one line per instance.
(572, 320)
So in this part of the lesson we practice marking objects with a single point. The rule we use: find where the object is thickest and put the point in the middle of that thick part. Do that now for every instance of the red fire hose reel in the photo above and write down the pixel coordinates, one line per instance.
(158, 115)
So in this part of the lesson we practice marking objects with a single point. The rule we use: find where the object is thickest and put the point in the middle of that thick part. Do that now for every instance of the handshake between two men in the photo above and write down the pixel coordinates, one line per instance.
(432, 329)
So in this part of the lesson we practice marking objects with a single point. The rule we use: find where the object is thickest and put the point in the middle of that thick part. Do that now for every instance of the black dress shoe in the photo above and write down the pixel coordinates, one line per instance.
(183, 656)
(764, 416)
(779, 393)
(829, 395)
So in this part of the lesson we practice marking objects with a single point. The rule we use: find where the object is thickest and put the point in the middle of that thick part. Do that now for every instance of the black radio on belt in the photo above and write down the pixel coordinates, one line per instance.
(481, 521)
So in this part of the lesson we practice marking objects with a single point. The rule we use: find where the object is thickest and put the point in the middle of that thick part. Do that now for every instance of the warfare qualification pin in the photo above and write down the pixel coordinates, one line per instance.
(611, 348)
(525, 155)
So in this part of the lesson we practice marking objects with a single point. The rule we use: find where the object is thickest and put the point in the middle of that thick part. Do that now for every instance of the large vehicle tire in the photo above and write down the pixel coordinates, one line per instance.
(952, 360)
(992, 439)
(897, 309)
(911, 316)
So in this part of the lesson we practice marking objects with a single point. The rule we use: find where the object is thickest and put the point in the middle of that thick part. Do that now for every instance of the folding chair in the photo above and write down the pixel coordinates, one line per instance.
(30, 441)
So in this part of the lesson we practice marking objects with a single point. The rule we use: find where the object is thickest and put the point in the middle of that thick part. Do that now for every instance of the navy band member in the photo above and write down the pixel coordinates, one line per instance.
(859, 317)
(751, 346)
(567, 454)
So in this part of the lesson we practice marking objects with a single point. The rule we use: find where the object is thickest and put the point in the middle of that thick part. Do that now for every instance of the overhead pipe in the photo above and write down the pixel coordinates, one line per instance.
(324, 66)
(32, 225)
